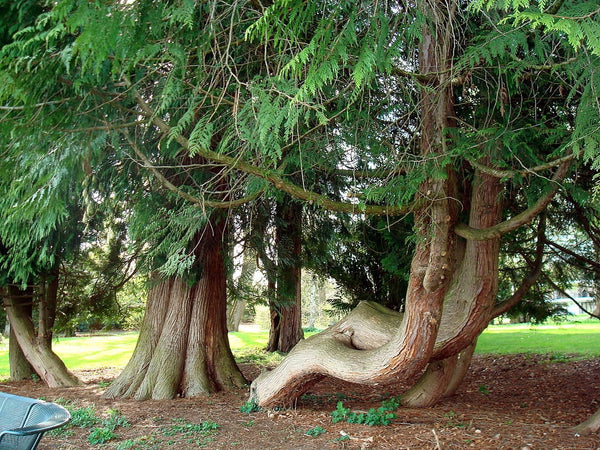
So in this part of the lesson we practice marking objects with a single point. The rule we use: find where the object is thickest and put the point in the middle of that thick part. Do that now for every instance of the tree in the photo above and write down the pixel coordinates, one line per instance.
(454, 275)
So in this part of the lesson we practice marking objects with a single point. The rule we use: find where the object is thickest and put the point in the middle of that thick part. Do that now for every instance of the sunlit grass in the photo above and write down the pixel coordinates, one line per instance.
(114, 350)
(581, 339)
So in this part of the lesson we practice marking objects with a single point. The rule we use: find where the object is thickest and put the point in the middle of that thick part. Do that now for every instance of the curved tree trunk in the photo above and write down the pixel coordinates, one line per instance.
(591, 425)
(37, 349)
(447, 274)
(183, 347)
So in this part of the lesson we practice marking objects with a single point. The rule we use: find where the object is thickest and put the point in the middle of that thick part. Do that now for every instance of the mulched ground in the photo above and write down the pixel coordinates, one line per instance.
(507, 402)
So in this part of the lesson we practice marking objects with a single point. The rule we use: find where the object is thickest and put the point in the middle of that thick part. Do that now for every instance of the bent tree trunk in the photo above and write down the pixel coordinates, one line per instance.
(447, 274)
(20, 369)
(183, 348)
(37, 349)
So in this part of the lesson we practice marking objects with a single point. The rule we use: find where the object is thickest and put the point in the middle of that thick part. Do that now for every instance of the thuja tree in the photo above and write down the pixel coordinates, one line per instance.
(163, 81)
(502, 110)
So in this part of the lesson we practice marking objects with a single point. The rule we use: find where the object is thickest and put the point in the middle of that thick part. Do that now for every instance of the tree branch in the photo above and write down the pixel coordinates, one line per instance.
(531, 278)
(184, 195)
(520, 219)
(276, 180)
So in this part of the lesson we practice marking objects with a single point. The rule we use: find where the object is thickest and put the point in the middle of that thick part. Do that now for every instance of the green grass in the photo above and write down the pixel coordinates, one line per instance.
(114, 350)
(582, 339)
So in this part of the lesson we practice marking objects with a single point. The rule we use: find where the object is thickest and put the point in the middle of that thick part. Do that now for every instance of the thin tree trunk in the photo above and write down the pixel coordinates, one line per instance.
(237, 306)
(183, 348)
(47, 306)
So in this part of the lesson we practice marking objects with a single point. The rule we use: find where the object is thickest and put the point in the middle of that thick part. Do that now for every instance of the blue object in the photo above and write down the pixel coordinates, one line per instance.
(23, 421)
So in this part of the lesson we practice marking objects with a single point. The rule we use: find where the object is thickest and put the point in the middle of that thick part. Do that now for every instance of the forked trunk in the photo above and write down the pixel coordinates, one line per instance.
(447, 274)
(183, 347)
(38, 351)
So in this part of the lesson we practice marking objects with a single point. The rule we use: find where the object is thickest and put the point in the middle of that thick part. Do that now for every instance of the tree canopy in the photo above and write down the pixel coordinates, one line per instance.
(462, 119)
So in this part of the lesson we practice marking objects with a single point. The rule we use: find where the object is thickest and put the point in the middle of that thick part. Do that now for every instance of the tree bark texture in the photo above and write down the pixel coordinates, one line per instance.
(183, 348)
(38, 351)
(20, 369)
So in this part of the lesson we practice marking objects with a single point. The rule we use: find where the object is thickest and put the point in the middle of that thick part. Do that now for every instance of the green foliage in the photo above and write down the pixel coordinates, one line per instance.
(100, 436)
(380, 416)
(249, 407)
(190, 429)
(316, 431)
(83, 417)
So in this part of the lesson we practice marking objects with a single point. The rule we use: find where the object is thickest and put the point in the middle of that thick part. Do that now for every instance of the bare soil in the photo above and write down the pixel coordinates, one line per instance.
(507, 402)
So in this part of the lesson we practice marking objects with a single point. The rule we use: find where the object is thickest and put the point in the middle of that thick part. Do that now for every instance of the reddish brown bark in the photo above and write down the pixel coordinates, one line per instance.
(183, 347)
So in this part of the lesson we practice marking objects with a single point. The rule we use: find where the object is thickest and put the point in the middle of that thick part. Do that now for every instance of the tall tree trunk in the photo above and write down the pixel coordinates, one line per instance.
(286, 310)
(48, 300)
(183, 348)
(37, 350)
(237, 305)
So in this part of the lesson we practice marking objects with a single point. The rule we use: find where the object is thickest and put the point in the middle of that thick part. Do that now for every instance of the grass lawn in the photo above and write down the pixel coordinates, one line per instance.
(114, 350)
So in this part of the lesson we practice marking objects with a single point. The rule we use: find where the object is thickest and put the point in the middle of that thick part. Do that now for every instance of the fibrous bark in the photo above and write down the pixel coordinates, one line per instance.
(183, 347)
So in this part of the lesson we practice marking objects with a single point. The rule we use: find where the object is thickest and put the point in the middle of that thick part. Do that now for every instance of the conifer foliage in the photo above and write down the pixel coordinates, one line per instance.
(465, 117)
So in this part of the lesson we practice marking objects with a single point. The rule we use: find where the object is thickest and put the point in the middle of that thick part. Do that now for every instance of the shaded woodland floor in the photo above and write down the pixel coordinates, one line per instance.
(506, 402)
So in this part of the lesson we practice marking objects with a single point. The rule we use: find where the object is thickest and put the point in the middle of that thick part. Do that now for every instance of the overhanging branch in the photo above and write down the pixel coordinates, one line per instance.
(520, 219)
(276, 180)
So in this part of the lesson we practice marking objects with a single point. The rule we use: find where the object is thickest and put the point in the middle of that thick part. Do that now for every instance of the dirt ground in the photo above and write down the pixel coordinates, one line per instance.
(507, 402)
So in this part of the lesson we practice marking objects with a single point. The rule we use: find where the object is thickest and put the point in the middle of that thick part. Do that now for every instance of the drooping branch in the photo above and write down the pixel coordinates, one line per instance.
(531, 278)
(201, 202)
(273, 178)
(520, 219)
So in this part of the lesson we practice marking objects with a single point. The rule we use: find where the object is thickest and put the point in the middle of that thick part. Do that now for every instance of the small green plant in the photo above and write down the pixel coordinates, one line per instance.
(106, 431)
(314, 432)
(342, 438)
(189, 429)
(115, 419)
(249, 407)
(483, 389)
(84, 417)
(380, 416)
(453, 421)
(101, 435)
